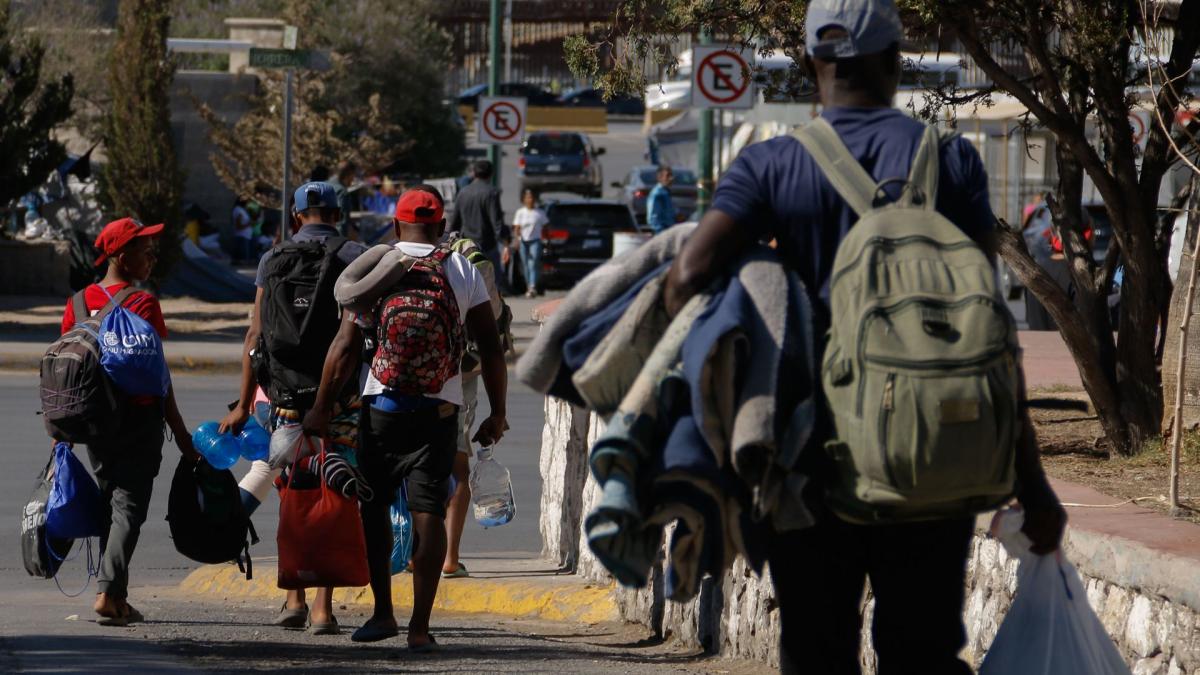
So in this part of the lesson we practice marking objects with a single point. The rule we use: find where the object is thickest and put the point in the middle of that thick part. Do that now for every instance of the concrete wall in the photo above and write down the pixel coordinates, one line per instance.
(1147, 597)
(228, 95)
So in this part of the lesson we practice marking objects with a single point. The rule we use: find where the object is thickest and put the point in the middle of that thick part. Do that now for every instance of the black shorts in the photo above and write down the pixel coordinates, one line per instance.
(418, 446)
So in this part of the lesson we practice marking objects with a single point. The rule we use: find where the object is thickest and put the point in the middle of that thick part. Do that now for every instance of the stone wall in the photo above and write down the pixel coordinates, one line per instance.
(1147, 600)
(35, 268)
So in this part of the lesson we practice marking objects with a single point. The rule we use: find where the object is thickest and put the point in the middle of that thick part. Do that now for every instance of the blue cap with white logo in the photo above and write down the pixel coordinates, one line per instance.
(315, 195)
(871, 26)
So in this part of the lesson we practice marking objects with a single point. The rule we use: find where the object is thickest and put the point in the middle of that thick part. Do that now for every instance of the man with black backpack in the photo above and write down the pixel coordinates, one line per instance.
(294, 321)
(889, 226)
(412, 396)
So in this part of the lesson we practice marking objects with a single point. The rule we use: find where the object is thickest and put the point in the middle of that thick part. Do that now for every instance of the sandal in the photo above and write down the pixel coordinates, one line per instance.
(370, 632)
(330, 627)
(131, 615)
(459, 573)
(431, 646)
(292, 619)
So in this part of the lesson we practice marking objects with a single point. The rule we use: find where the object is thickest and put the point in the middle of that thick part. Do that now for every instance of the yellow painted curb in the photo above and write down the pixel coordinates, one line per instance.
(579, 602)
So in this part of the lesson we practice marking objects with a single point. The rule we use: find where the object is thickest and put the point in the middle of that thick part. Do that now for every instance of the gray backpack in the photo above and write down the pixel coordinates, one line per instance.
(920, 370)
(79, 402)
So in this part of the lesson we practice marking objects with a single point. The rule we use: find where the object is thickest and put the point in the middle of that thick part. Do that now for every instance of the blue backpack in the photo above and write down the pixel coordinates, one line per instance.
(74, 508)
(131, 352)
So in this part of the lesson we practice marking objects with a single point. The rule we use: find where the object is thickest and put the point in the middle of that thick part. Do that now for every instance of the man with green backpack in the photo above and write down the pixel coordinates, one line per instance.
(888, 224)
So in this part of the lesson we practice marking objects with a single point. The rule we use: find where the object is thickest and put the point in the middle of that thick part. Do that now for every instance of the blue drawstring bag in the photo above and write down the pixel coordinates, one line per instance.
(131, 353)
(402, 531)
(75, 507)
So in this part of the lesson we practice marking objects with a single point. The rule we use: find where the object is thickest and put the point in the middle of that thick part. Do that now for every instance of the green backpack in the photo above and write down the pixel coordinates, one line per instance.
(920, 370)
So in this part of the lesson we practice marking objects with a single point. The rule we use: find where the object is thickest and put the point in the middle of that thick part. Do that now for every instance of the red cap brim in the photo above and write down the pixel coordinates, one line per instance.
(147, 231)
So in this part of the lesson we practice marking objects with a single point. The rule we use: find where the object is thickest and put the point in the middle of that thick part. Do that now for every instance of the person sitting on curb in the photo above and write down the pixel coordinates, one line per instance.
(127, 463)
(410, 418)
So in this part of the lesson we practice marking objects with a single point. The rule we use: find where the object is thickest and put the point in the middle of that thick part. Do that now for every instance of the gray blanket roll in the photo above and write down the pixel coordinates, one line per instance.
(370, 276)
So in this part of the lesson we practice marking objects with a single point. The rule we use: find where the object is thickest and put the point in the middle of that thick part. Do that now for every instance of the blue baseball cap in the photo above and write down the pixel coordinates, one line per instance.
(315, 195)
(871, 26)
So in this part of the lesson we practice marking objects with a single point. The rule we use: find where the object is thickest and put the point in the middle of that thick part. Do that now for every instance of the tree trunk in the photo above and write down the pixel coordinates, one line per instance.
(1175, 342)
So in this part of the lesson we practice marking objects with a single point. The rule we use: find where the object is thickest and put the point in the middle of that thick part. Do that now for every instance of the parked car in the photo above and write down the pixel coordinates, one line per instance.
(535, 94)
(579, 237)
(641, 180)
(1039, 233)
(560, 160)
(589, 97)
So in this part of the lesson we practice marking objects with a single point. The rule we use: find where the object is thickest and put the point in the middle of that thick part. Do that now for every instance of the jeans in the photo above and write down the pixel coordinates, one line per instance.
(917, 572)
(531, 257)
(125, 467)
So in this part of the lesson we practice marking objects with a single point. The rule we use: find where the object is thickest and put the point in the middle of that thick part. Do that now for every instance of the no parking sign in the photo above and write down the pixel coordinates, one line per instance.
(501, 120)
(721, 77)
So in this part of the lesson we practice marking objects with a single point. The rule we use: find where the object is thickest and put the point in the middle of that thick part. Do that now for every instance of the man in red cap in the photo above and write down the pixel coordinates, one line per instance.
(127, 463)
(408, 432)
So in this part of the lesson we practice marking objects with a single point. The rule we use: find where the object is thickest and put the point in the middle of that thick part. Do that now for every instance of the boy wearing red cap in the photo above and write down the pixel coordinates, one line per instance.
(414, 438)
(126, 464)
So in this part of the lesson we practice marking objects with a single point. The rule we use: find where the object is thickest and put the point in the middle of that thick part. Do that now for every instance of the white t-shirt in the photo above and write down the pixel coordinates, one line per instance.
(470, 291)
(530, 221)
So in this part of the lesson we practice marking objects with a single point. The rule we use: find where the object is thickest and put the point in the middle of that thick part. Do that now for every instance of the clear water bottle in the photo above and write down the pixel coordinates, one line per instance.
(491, 491)
(254, 440)
(221, 450)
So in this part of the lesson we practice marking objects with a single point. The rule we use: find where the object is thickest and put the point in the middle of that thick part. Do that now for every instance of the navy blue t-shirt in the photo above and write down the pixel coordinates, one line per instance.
(777, 188)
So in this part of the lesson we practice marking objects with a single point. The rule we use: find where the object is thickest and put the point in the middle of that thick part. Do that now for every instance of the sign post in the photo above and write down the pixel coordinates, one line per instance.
(289, 59)
(501, 120)
(720, 80)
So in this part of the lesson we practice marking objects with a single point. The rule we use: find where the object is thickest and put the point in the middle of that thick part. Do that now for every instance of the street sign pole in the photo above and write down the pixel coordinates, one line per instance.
(494, 81)
(285, 225)
(704, 149)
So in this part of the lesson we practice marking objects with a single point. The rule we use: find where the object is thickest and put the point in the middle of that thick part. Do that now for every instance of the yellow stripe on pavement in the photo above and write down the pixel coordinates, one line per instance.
(558, 601)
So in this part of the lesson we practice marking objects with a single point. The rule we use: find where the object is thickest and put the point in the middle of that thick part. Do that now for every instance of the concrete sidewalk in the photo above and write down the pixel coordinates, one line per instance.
(517, 588)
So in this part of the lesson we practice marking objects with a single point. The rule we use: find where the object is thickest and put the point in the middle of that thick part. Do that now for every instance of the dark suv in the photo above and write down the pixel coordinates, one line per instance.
(579, 238)
(560, 160)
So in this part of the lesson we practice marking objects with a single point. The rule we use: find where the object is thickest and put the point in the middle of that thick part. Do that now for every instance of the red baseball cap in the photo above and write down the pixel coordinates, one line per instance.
(419, 206)
(118, 233)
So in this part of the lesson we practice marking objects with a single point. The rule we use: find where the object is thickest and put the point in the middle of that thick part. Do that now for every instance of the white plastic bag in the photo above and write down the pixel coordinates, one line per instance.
(1050, 628)
(288, 444)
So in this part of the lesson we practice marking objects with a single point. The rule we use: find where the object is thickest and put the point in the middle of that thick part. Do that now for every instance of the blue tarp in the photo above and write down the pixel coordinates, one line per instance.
(199, 276)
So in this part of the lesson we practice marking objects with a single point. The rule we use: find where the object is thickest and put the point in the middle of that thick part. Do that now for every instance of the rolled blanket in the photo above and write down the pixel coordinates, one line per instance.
(370, 276)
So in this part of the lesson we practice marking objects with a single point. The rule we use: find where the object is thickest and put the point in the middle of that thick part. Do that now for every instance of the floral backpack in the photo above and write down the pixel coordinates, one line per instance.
(421, 338)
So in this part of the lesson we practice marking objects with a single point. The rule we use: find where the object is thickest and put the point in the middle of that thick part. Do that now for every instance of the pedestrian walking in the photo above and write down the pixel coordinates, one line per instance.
(527, 228)
(778, 189)
(283, 352)
(478, 216)
(127, 462)
(412, 395)
(344, 183)
(460, 499)
(660, 210)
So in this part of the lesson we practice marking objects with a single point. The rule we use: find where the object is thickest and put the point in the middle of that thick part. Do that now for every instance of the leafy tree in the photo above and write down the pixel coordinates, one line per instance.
(142, 177)
(1070, 63)
(30, 109)
(379, 106)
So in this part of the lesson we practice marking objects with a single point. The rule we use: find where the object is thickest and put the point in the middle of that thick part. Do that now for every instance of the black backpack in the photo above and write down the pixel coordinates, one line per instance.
(79, 402)
(208, 522)
(300, 318)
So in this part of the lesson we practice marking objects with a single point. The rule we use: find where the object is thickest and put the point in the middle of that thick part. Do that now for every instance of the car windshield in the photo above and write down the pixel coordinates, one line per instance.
(682, 177)
(556, 144)
(597, 216)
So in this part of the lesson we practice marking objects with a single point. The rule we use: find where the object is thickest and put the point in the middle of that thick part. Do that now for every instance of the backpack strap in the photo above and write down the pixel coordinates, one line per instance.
(923, 176)
(79, 306)
(333, 245)
(79, 303)
(841, 169)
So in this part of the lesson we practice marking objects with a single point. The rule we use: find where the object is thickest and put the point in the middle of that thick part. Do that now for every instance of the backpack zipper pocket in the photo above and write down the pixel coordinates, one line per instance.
(887, 405)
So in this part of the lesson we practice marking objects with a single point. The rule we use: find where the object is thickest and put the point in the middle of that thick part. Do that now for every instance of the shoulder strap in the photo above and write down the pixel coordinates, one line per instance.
(334, 244)
(923, 176)
(79, 306)
(114, 301)
(842, 170)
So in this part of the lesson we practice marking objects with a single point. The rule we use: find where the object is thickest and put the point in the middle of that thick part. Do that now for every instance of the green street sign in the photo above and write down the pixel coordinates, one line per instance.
(261, 57)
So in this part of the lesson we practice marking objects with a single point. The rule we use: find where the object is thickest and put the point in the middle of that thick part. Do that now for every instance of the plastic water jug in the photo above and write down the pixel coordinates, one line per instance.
(491, 491)
(254, 440)
(221, 450)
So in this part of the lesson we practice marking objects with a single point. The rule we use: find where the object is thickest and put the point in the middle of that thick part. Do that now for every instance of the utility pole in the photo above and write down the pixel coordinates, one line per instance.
(494, 81)
(508, 39)
(704, 148)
